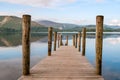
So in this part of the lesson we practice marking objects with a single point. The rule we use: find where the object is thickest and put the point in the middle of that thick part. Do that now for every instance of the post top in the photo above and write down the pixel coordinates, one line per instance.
(27, 15)
(50, 27)
(100, 16)
(84, 28)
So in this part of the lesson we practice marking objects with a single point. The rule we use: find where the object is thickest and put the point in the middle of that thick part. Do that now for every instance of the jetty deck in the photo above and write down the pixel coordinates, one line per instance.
(66, 63)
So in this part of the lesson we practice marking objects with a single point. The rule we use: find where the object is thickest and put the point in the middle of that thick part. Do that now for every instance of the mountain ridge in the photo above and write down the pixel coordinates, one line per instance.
(75, 27)
(62, 26)
(13, 23)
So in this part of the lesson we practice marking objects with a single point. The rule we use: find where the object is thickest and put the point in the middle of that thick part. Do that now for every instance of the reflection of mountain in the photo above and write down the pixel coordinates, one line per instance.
(10, 39)
(92, 35)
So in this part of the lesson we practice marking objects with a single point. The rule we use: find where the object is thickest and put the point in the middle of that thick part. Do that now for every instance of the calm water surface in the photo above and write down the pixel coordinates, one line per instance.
(11, 54)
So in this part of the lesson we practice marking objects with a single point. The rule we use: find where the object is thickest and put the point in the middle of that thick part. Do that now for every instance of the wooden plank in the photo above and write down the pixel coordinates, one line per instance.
(66, 63)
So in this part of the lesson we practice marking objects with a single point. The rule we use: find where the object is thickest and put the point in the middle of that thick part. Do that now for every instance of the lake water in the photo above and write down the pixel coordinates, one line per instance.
(11, 54)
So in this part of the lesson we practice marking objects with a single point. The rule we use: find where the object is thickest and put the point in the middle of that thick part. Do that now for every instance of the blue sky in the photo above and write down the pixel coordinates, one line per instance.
(65, 11)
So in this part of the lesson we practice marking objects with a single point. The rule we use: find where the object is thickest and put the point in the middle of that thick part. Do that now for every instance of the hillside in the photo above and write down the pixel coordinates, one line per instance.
(92, 28)
(74, 27)
(62, 26)
(14, 24)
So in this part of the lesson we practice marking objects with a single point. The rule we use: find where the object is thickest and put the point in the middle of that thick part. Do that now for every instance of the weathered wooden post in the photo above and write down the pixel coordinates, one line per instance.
(55, 40)
(49, 40)
(99, 40)
(61, 43)
(75, 40)
(66, 44)
(79, 41)
(58, 40)
(26, 23)
(83, 41)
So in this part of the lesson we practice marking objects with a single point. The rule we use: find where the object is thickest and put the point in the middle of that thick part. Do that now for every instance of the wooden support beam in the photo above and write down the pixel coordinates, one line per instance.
(66, 44)
(58, 40)
(79, 41)
(61, 43)
(73, 40)
(49, 40)
(83, 41)
(76, 40)
(99, 41)
(26, 23)
(55, 40)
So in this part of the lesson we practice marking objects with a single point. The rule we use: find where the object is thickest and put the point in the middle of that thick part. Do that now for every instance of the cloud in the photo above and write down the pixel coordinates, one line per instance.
(114, 22)
(47, 3)
(79, 22)
(39, 3)
(18, 13)
(114, 41)
(99, 0)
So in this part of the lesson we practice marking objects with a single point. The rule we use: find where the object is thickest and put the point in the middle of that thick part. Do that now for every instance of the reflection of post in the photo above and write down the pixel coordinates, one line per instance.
(75, 40)
(99, 38)
(55, 39)
(79, 41)
(26, 43)
(83, 41)
(61, 44)
(49, 40)
(66, 44)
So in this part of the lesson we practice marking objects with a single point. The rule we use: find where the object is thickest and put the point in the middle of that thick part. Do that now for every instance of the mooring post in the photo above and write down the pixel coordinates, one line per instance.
(55, 40)
(79, 41)
(83, 41)
(58, 40)
(26, 23)
(61, 43)
(73, 40)
(76, 40)
(66, 44)
(49, 40)
(99, 40)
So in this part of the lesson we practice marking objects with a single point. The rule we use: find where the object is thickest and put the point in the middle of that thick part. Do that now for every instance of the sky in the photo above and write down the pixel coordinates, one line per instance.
(80, 12)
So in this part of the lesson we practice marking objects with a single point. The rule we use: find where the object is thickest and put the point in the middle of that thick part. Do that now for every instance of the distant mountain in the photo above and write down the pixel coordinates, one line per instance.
(62, 26)
(74, 27)
(14, 24)
(113, 26)
(106, 28)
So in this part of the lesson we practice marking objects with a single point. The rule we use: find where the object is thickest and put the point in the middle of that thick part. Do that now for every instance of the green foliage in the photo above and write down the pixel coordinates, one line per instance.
(14, 24)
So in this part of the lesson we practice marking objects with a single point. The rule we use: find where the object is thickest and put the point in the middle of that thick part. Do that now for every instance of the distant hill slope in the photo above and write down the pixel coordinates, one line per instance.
(74, 27)
(92, 28)
(62, 26)
(14, 24)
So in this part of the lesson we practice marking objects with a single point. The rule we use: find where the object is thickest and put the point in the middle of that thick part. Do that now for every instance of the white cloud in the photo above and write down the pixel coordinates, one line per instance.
(39, 3)
(99, 0)
(114, 22)
(47, 3)
(18, 13)
(114, 41)
(83, 21)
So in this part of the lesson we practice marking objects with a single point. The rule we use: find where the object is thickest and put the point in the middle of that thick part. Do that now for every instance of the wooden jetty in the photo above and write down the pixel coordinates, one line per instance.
(66, 62)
